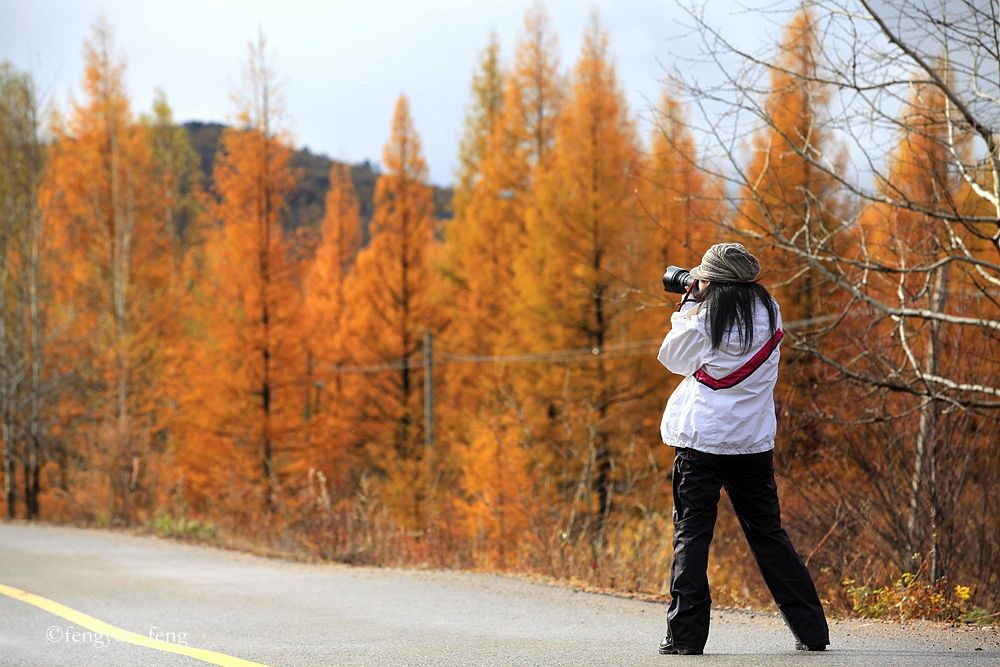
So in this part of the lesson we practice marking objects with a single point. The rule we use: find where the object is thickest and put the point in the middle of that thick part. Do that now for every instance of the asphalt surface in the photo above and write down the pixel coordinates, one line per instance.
(286, 613)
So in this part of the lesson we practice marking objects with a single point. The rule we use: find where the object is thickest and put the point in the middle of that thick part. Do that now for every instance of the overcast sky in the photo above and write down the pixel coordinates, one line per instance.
(344, 63)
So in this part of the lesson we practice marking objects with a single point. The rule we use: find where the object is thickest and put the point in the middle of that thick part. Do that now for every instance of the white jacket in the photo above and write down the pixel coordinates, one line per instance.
(736, 419)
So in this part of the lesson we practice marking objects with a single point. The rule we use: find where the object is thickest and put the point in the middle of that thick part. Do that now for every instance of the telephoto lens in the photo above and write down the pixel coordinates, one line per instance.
(677, 280)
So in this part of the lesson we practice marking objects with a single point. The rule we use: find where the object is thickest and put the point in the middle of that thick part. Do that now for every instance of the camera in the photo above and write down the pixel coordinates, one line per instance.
(677, 280)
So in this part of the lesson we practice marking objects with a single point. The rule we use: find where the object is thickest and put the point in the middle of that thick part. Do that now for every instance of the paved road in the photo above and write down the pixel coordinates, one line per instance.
(285, 613)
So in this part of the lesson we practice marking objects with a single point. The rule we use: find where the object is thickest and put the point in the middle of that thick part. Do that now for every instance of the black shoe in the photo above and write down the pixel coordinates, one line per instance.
(799, 646)
(667, 648)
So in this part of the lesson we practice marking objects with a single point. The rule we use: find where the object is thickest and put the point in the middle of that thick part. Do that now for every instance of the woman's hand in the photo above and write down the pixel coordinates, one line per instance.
(693, 291)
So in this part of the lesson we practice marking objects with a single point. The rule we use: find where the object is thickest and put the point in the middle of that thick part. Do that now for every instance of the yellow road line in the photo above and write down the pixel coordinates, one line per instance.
(111, 631)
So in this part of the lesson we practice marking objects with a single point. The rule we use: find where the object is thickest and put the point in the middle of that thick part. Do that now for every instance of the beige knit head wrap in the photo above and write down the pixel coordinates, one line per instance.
(727, 263)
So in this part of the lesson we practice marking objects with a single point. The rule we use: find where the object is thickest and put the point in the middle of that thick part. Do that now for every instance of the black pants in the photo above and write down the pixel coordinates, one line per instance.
(749, 482)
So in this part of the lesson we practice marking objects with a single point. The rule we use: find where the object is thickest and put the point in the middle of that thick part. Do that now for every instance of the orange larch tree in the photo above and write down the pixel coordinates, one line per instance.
(179, 200)
(513, 119)
(115, 263)
(388, 310)
(572, 282)
(245, 400)
(470, 285)
(323, 318)
(789, 201)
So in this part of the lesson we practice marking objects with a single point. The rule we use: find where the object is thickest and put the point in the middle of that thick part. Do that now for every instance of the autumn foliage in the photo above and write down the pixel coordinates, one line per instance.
(482, 391)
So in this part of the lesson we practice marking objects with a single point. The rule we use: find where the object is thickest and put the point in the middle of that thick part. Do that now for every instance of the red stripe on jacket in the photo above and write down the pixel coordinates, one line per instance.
(744, 371)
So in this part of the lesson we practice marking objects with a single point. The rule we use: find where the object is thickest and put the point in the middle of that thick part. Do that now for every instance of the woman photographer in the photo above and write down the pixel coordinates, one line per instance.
(724, 341)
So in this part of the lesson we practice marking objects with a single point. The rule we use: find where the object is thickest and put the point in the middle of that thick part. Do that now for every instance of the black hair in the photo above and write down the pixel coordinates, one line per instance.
(731, 307)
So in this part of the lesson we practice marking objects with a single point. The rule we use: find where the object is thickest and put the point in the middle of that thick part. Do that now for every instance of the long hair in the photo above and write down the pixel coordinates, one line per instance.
(731, 307)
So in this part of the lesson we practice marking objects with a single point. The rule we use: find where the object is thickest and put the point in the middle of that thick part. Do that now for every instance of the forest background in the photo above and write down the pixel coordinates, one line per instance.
(209, 334)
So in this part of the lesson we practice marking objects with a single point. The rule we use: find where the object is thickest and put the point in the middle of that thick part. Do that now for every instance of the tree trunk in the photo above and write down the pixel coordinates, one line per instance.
(923, 480)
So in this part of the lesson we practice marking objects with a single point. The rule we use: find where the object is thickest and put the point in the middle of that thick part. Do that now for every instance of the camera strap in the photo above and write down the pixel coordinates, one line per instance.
(744, 371)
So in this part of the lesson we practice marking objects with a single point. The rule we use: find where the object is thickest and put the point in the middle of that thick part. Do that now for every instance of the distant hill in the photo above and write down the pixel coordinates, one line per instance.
(307, 200)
